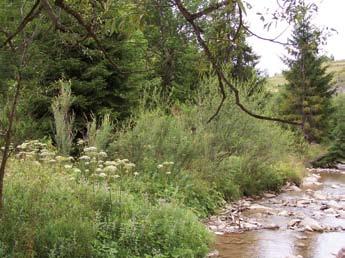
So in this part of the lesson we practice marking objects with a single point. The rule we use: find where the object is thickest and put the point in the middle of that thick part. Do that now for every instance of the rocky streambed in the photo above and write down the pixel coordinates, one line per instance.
(306, 221)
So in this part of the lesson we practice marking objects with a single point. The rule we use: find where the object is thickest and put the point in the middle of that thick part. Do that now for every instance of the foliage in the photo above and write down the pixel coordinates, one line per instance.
(63, 118)
(309, 90)
(48, 213)
(234, 155)
(100, 136)
(336, 151)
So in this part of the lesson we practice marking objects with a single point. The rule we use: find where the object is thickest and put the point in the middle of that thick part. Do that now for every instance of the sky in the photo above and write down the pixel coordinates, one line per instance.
(331, 14)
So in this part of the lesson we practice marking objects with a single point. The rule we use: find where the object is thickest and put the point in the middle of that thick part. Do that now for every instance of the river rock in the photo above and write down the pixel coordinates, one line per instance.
(341, 253)
(311, 181)
(283, 213)
(214, 253)
(260, 208)
(294, 222)
(330, 211)
(269, 195)
(271, 226)
(319, 195)
(303, 202)
(341, 166)
(333, 204)
(309, 223)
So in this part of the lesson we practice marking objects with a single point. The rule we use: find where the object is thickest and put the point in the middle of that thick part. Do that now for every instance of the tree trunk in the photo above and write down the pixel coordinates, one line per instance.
(8, 137)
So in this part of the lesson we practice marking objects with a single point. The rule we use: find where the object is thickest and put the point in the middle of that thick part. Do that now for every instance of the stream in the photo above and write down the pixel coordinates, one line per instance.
(306, 222)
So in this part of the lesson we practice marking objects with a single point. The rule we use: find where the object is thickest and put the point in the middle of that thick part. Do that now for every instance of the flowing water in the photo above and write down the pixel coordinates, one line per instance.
(285, 242)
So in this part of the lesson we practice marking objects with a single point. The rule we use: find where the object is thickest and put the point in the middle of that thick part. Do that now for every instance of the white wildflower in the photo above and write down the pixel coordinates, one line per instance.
(103, 154)
(37, 163)
(68, 166)
(80, 142)
(110, 168)
(102, 175)
(76, 170)
(110, 163)
(90, 149)
(168, 172)
(60, 158)
(136, 173)
(86, 158)
(129, 166)
(160, 166)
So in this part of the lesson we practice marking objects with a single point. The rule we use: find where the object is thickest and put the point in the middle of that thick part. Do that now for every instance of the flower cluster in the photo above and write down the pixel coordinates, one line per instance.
(166, 167)
(92, 164)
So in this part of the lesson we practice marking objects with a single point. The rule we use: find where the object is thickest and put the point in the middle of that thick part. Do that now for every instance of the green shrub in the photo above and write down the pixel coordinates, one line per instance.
(233, 155)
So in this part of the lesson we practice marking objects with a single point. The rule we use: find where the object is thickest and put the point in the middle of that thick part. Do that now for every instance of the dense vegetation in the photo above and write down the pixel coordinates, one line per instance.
(119, 133)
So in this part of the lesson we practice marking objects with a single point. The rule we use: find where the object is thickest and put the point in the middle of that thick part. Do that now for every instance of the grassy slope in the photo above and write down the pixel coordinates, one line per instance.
(336, 67)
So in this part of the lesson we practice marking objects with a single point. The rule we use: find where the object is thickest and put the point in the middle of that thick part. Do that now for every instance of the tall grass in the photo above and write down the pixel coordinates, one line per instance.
(63, 118)
(100, 136)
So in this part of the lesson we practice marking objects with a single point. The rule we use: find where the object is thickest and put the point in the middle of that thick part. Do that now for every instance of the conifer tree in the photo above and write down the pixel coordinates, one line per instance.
(308, 90)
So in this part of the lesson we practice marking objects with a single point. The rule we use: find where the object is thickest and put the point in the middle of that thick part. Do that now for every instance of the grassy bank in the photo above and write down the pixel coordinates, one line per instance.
(145, 195)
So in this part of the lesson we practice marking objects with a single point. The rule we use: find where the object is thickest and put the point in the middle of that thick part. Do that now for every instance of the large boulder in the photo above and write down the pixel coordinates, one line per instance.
(341, 253)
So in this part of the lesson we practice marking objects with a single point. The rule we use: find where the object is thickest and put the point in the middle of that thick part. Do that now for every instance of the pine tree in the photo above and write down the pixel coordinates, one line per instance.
(309, 89)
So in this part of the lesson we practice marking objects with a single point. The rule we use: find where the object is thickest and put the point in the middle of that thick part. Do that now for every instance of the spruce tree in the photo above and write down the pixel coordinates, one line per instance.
(308, 90)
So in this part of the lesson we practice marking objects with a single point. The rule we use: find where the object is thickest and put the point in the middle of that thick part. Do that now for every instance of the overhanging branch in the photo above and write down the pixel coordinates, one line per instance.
(33, 13)
(220, 74)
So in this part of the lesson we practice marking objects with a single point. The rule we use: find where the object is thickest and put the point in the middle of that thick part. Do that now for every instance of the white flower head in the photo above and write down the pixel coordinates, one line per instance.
(102, 154)
(102, 175)
(80, 142)
(60, 158)
(76, 170)
(110, 163)
(84, 158)
(90, 149)
(160, 166)
(110, 168)
(68, 166)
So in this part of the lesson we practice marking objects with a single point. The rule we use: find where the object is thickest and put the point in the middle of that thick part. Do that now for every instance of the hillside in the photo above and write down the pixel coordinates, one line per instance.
(336, 67)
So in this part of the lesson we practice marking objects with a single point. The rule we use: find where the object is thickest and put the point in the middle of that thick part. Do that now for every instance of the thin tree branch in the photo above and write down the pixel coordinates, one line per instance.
(52, 15)
(87, 27)
(273, 40)
(210, 9)
(33, 13)
(221, 77)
